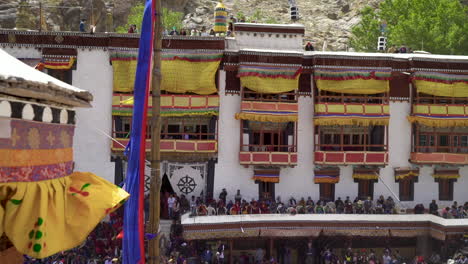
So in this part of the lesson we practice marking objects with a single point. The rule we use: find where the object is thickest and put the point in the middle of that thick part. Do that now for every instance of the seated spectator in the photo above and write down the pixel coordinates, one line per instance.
(309, 47)
(174, 32)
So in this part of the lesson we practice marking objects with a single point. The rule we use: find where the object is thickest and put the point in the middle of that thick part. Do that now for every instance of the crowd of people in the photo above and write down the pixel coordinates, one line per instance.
(197, 206)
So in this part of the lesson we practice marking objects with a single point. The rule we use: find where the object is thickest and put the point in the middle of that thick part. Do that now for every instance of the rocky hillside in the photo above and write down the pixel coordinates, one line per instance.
(327, 21)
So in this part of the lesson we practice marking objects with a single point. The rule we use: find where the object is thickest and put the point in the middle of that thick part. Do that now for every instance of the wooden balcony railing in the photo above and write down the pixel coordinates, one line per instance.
(439, 158)
(351, 157)
(174, 145)
(268, 148)
(268, 158)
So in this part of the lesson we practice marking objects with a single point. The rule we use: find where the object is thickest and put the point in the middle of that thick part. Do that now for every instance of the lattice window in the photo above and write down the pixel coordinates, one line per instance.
(350, 138)
(406, 187)
(365, 189)
(327, 191)
(436, 139)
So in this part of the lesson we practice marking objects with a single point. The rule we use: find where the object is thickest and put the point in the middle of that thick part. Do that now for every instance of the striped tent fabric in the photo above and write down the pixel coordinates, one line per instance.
(353, 81)
(266, 175)
(441, 84)
(330, 175)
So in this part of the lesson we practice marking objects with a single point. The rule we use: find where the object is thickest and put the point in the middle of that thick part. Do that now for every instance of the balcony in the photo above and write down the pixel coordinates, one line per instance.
(268, 158)
(174, 145)
(439, 158)
(351, 157)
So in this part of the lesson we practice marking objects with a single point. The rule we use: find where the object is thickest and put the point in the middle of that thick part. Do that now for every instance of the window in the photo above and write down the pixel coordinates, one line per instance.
(63, 75)
(191, 128)
(445, 189)
(249, 95)
(365, 189)
(440, 139)
(406, 189)
(327, 191)
(122, 126)
(268, 137)
(351, 138)
(331, 97)
(266, 190)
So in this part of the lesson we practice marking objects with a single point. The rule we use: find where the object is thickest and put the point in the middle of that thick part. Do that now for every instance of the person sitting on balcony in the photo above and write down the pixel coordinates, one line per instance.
(433, 208)
(202, 210)
(193, 205)
(223, 195)
(330, 208)
(238, 196)
(184, 204)
(389, 205)
(348, 206)
(339, 205)
(302, 202)
(368, 205)
(210, 209)
(292, 202)
(235, 209)
(264, 209)
(419, 209)
(229, 205)
(319, 208)
(359, 207)
(309, 201)
(221, 210)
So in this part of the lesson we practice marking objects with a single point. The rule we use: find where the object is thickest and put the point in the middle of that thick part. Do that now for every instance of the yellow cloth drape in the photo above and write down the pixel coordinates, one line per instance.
(351, 121)
(361, 176)
(266, 179)
(406, 175)
(266, 117)
(270, 85)
(456, 89)
(438, 122)
(358, 86)
(182, 76)
(445, 176)
(124, 75)
(45, 217)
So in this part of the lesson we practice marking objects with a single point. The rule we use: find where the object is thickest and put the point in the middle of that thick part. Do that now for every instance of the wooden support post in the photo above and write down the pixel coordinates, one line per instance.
(231, 253)
(155, 187)
(271, 254)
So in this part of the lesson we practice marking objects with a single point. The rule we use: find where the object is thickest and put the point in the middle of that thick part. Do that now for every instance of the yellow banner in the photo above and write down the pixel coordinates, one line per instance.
(266, 117)
(357, 86)
(457, 89)
(270, 85)
(181, 76)
(124, 75)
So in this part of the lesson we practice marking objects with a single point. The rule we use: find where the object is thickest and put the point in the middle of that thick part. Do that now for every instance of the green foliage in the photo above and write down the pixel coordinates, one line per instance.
(437, 26)
(25, 18)
(170, 18)
(257, 16)
(365, 34)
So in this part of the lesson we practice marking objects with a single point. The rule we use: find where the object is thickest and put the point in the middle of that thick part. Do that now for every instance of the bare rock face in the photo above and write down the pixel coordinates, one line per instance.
(177, 5)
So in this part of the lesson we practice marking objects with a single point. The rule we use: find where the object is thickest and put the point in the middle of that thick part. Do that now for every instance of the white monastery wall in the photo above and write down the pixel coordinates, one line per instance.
(24, 52)
(273, 41)
(92, 149)
(229, 173)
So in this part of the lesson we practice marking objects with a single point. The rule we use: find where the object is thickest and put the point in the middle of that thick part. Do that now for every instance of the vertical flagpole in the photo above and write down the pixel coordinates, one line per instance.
(155, 187)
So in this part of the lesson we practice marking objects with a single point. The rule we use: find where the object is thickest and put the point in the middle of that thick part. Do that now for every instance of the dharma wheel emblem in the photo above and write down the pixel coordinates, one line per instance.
(186, 184)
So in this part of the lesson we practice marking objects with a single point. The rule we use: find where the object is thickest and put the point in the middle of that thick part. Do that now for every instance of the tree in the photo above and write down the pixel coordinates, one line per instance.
(437, 26)
(365, 33)
(25, 19)
(170, 18)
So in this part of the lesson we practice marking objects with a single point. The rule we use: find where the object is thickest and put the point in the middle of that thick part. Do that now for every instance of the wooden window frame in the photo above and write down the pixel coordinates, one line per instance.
(408, 184)
(342, 141)
(65, 76)
(360, 193)
(322, 190)
(261, 187)
(449, 184)
(432, 140)
(268, 148)
(249, 95)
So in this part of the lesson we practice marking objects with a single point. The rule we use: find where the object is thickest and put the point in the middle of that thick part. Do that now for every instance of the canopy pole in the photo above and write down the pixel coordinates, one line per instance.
(155, 187)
